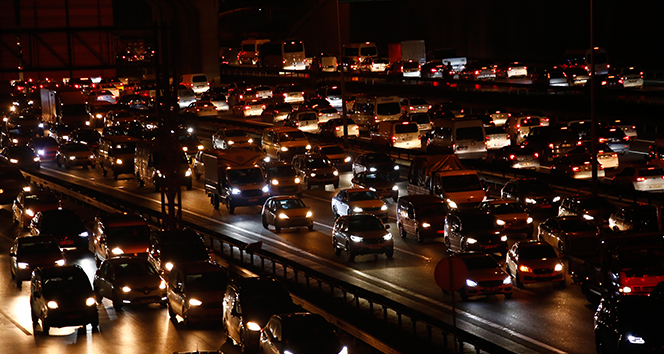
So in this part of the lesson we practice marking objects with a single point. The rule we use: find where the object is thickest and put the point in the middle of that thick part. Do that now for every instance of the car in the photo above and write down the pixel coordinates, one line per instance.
(423, 120)
(361, 234)
(195, 292)
(64, 225)
(119, 234)
(225, 137)
(474, 230)
(582, 127)
(632, 77)
(374, 65)
(577, 166)
(286, 211)
(289, 93)
(315, 169)
(87, 136)
(534, 194)
(119, 117)
(62, 297)
(379, 182)
(628, 324)
(634, 218)
(190, 144)
(496, 138)
(569, 235)
(219, 100)
(169, 247)
(551, 142)
(485, 276)
(313, 102)
(22, 156)
(299, 333)
(325, 113)
(598, 209)
(350, 65)
(303, 119)
(359, 201)
(410, 68)
(116, 155)
(331, 93)
(376, 162)
(248, 109)
(46, 147)
(510, 214)
(518, 127)
(201, 109)
(102, 95)
(499, 115)
(645, 178)
(12, 182)
(282, 178)
(655, 154)
(129, 280)
(335, 127)
(29, 202)
(605, 156)
(414, 105)
(276, 112)
(75, 154)
(421, 215)
(615, 138)
(532, 261)
(15, 136)
(577, 76)
(510, 70)
(445, 107)
(29, 253)
(476, 70)
(335, 153)
(549, 76)
(263, 92)
(629, 129)
(132, 129)
(515, 156)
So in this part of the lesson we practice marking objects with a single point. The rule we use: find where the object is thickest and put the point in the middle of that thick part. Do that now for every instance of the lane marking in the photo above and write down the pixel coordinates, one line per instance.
(18, 325)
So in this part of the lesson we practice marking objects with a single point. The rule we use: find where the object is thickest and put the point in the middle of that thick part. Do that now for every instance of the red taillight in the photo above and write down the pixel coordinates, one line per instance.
(429, 106)
(602, 140)
(320, 114)
(626, 138)
(241, 96)
(285, 95)
(550, 146)
(337, 128)
(575, 169)
(512, 157)
(263, 106)
(394, 139)
(411, 108)
(614, 155)
(518, 125)
(640, 179)
(247, 107)
(508, 136)
(536, 155)
(579, 143)
(434, 70)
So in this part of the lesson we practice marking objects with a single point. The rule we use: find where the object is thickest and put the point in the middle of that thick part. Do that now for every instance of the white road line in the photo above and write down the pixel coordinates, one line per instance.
(18, 325)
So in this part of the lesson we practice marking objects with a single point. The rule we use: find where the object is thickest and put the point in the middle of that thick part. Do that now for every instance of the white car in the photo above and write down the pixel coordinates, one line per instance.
(359, 201)
(248, 109)
(411, 69)
(641, 178)
(326, 113)
(201, 109)
(414, 105)
(263, 92)
(496, 138)
(632, 77)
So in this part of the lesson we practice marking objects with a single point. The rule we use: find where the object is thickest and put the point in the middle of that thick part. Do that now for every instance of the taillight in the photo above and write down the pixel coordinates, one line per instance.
(337, 128)
(614, 155)
(320, 114)
(626, 137)
(550, 146)
(411, 108)
(512, 157)
(640, 179)
(579, 143)
(375, 118)
(536, 155)
(434, 70)
(285, 95)
(247, 107)
(241, 96)
(509, 114)
(601, 140)
(394, 139)
(575, 169)
(508, 136)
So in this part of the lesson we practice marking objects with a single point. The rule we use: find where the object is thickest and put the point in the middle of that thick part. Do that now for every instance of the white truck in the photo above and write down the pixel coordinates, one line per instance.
(65, 106)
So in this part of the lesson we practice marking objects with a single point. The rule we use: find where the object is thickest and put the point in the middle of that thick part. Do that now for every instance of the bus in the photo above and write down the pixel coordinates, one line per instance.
(581, 58)
(287, 54)
(359, 51)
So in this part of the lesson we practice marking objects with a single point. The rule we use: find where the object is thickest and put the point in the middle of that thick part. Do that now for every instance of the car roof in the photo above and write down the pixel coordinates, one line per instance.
(532, 243)
(354, 190)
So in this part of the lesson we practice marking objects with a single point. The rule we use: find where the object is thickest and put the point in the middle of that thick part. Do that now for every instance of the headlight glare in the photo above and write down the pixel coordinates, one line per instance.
(23, 265)
(471, 241)
(356, 238)
(529, 220)
(426, 225)
(253, 326)
(558, 267)
(117, 251)
(52, 305)
(126, 289)
(531, 201)
(60, 262)
(90, 301)
(195, 302)
(387, 237)
(310, 214)
(384, 207)
(283, 216)
(471, 283)
(168, 266)
(395, 188)
(236, 191)
(357, 210)
(503, 238)
(507, 281)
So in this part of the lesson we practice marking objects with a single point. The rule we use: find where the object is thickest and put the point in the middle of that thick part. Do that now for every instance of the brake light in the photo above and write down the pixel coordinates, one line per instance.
(550, 146)
(512, 157)
(241, 96)
(247, 107)
(518, 125)
(614, 155)
(337, 128)
(626, 138)
(601, 140)
(405, 123)
(429, 106)
(411, 108)
(575, 169)
(375, 118)
(285, 94)
(434, 70)
(320, 114)
(461, 110)
(394, 139)
(509, 114)
(536, 155)
(579, 143)
(640, 179)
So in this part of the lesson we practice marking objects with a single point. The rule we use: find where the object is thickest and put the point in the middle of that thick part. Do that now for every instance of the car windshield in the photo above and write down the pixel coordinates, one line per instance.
(290, 204)
(479, 222)
(595, 203)
(66, 283)
(332, 150)
(209, 281)
(76, 147)
(461, 183)
(235, 132)
(429, 210)
(411, 65)
(370, 177)
(642, 262)
(364, 223)
(245, 175)
(495, 130)
(124, 148)
(542, 251)
(576, 225)
(307, 116)
(184, 251)
(420, 118)
(292, 136)
(38, 247)
(373, 158)
(534, 186)
(651, 171)
(506, 208)
(405, 128)
(387, 109)
(134, 269)
(363, 195)
(281, 171)
(318, 162)
(128, 234)
(480, 262)
(414, 101)
(308, 329)
(470, 133)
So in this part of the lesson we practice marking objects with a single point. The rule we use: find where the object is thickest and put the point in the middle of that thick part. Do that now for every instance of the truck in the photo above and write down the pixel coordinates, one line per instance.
(413, 50)
(65, 106)
(620, 264)
(447, 57)
(234, 178)
(444, 176)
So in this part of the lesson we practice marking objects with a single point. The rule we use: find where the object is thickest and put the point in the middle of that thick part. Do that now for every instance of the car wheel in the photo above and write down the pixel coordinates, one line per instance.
(336, 185)
(115, 176)
(517, 280)
(35, 319)
(185, 317)
(229, 206)
(117, 303)
(418, 236)
(561, 249)
(103, 171)
(67, 165)
(335, 213)
(616, 229)
(448, 244)
(402, 232)
(390, 253)
(171, 313)
(215, 201)
(45, 326)
(508, 295)
(95, 323)
(462, 293)
(277, 228)
(265, 224)
(19, 283)
(197, 176)
(336, 248)
(140, 180)
(98, 295)
(351, 255)
(57, 161)
(311, 227)
(189, 186)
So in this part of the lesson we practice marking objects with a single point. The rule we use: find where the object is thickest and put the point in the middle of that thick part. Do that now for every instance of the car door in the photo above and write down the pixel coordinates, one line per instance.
(270, 212)
(512, 259)
(409, 221)
(508, 191)
(36, 298)
(102, 282)
(358, 164)
(176, 292)
(453, 232)
(235, 320)
(548, 232)
(273, 336)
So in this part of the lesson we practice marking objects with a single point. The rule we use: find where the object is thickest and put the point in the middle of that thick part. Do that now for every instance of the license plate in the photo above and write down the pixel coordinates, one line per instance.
(491, 246)
(525, 163)
(566, 145)
(253, 200)
(542, 275)
(67, 242)
(492, 289)
(546, 206)
(374, 246)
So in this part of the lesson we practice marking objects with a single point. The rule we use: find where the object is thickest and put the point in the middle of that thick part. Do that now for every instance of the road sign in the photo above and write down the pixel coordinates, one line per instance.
(451, 273)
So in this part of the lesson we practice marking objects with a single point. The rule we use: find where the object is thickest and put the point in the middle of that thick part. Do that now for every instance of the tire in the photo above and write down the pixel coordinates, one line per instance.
(390, 253)
(335, 247)
(448, 244)
(197, 176)
(35, 319)
(229, 206)
(67, 165)
(265, 224)
(562, 249)
(45, 326)
(395, 199)
(185, 317)
(171, 313)
(508, 295)
(95, 323)
(464, 296)
(190, 186)
(19, 283)
(418, 236)
(351, 255)
(517, 281)
(57, 161)
(140, 180)
(117, 303)
(215, 201)
(115, 176)
(98, 295)
(402, 232)
(336, 185)
(311, 227)
(277, 228)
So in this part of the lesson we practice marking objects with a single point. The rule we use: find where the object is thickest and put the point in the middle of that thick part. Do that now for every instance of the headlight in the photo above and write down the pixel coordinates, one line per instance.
(52, 305)
(471, 241)
(387, 237)
(26, 188)
(36, 159)
(162, 284)
(284, 149)
(200, 147)
(531, 201)
(625, 290)
(168, 266)
(15, 141)
(118, 162)
(588, 217)
(372, 169)
(372, 189)
(253, 326)
(308, 147)
(500, 222)
(635, 340)
(126, 289)
(195, 302)
(312, 174)
(471, 283)
(344, 350)
(529, 220)
(310, 214)
(384, 207)
(60, 262)
(185, 149)
(395, 188)
(13, 160)
(356, 238)
(265, 188)
(236, 191)
(83, 234)
(451, 204)
(72, 157)
(525, 269)
(91, 157)
(507, 281)
(90, 301)
(117, 251)
(297, 180)
(556, 199)
(336, 173)
(23, 265)
(503, 238)
(283, 216)
(558, 267)
(98, 116)
(188, 173)
(250, 141)
(40, 152)
(396, 167)
(426, 225)
(30, 212)
(357, 210)
(347, 159)
(274, 181)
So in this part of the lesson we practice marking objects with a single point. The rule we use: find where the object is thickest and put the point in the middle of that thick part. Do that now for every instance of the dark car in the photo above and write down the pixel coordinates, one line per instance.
(421, 215)
(361, 234)
(286, 211)
(196, 292)
(277, 112)
(46, 147)
(61, 132)
(598, 209)
(248, 305)
(170, 247)
(485, 276)
(315, 169)
(634, 218)
(28, 253)
(62, 297)
(64, 225)
(376, 162)
(615, 138)
(87, 136)
(28, 203)
(551, 141)
(301, 332)
(379, 182)
(516, 156)
(532, 193)
(23, 157)
(570, 235)
(12, 182)
(129, 280)
(474, 230)
(533, 261)
(15, 136)
(75, 154)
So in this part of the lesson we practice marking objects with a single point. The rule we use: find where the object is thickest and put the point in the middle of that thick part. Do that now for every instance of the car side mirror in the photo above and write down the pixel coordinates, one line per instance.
(387, 227)
(12, 254)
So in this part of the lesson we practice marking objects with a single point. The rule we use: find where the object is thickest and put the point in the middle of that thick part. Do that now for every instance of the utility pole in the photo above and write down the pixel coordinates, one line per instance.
(593, 118)
(342, 84)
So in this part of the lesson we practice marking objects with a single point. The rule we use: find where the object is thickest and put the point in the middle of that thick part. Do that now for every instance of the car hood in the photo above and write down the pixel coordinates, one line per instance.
(370, 233)
(36, 260)
(475, 196)
(513, 217)
(374, 203)
(318, 347)
(323, 170)
(80, 153)
(139, 281)
(380, 184)
(296, 213)
(487, 274)
(212, 296)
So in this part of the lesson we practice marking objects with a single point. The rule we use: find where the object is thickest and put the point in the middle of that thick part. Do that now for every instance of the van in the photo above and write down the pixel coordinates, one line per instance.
(150, 169)
(249, 48)
(198, 82)
(116, 154)
(398, 134)
(359, 51)
(422, 216)
(306, 121)
(283, 143)
(367, 111)
(120, 234)
(581, 58)
(465, 138)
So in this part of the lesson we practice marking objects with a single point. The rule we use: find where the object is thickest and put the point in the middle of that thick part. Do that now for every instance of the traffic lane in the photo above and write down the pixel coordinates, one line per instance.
(528, 315)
